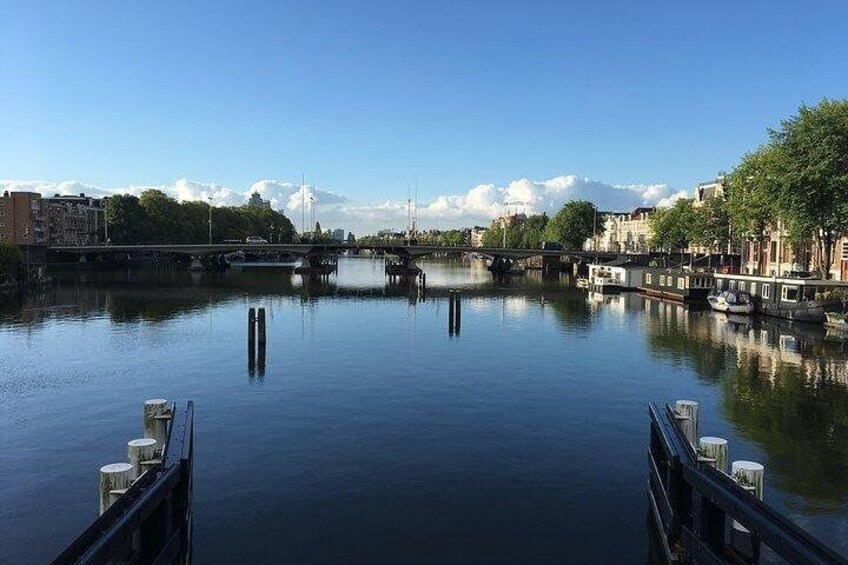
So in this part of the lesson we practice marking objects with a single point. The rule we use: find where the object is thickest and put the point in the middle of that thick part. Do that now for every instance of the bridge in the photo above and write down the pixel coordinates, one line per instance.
(315, 255)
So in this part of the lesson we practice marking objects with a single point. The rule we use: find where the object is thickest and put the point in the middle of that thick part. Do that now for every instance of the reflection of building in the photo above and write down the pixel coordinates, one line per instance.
(256, 200)
(21, 218)
(623, 232)
(477, 233)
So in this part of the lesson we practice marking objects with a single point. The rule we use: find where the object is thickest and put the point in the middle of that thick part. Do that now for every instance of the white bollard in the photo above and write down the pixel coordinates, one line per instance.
(688, 418)
(156, 421)
(140, 453)
(115, 479)
(714, 449)
(750, 476)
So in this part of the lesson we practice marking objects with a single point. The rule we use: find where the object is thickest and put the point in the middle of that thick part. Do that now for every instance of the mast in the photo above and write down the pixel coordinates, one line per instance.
(302, 205)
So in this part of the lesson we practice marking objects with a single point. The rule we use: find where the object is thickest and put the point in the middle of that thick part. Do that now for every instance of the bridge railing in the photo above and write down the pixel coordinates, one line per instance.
(152, 521)
(693, 505)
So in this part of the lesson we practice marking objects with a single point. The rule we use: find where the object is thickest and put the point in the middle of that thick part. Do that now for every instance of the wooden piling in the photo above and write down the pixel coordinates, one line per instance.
(156, 416)
(261, 326)
(141, 454)
(251, 328)
(751, 477)
(714, 450)
(115, 479)
(451, 304)
(457, 315)
(687, 411)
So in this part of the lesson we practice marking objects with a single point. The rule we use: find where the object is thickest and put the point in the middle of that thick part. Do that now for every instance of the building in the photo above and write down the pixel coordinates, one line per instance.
(706, 190)
(74, 220)
(21, 219)
(337, 234)
(477, 233)
(623, 232)
(256, 200)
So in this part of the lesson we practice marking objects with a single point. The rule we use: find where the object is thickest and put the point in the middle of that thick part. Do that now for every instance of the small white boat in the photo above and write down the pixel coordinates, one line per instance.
(836, 321)
(732, 302)
(582, 282)
(605, 282)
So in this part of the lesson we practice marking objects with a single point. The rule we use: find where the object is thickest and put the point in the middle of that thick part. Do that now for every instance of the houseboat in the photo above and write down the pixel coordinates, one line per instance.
(676, 284)
(614, 278)
(800, 299)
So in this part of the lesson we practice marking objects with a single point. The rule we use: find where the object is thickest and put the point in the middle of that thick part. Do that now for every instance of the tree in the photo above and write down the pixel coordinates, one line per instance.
(711, 226)
(813, 177)
(10, 260)
(573, 224)
(673, 227)
(351, 239)
(126, 219)
(752, 189)
(165, 217)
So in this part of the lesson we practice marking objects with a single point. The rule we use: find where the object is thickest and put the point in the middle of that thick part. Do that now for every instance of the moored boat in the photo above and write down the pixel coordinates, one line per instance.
(676, 284)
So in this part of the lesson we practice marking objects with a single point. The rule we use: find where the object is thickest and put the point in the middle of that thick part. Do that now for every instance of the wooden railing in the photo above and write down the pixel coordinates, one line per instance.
(152, 521)
(694, 504)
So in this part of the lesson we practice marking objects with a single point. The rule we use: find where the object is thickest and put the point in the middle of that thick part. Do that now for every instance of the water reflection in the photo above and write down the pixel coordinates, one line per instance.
(783, 386)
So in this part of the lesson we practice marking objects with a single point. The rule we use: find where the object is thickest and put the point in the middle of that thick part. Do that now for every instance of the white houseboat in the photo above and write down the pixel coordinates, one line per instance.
(801, 299)
(614, 278)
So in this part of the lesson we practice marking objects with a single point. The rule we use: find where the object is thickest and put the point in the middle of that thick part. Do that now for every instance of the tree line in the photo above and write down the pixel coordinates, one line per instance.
(154, 217)
(798, 179)
(575, 222)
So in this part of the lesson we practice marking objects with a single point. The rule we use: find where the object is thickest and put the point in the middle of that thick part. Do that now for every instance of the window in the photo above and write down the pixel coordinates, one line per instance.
(789, 293)
(2, 236)
(845, 250)
(732, 285)
(648, 278)
(741, 285)
(681, 283)
(766, 290)
(773, 252)
(753, 288)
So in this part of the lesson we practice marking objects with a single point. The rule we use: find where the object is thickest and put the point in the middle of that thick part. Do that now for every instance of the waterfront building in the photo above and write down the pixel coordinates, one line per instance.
(623, 232)
(476, 237)
(712, 189)
(338, 234)
(21, 219)
(74, 219)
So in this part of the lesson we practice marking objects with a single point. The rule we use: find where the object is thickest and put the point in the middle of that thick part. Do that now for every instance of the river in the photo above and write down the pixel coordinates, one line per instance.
(375, 436)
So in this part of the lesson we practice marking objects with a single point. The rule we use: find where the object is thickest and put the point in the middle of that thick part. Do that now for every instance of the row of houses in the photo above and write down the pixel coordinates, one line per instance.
(27, 218)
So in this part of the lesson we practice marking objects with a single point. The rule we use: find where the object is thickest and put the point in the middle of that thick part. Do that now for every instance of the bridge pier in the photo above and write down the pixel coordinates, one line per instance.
(196, 264)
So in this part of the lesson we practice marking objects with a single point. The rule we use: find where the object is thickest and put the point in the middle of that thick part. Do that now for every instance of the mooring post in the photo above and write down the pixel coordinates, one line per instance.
(156, 418)
(750, 476)
(251, 338)
(451, 305)
(115, 479)
(687, 411)
(457, 320)
(261, 353)
(714, 450)
(141, 454)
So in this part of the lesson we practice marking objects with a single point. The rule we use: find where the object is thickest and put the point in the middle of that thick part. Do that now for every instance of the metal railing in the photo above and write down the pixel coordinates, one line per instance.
(693, 505)
(152, 521)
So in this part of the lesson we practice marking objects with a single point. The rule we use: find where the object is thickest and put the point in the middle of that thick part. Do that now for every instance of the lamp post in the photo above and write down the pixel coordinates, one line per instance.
(210, 219)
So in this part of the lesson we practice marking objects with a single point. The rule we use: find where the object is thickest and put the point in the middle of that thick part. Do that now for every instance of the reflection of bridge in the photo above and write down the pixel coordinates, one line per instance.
(315, 253)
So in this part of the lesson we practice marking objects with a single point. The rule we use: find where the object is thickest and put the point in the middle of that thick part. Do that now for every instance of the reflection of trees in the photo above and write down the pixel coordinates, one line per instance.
(802, 425)
(572, 310)
(783, 387)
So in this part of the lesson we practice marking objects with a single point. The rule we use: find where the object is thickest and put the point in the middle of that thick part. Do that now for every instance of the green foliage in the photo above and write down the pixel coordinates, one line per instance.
(711, 225)
(573, 224)
(673, 227)
(752, 192)
(126, 219)
(520, 234)
(158, 218)
(10, 258)
(813, 180)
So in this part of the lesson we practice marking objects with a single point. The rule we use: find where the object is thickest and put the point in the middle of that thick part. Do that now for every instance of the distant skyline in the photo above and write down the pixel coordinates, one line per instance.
(363, 97)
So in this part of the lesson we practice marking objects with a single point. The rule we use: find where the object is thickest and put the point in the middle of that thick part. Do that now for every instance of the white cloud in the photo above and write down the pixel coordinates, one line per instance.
(477, 206)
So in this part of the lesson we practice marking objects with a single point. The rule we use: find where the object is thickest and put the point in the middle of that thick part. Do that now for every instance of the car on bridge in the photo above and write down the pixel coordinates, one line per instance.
(551, 246)
(255, 240)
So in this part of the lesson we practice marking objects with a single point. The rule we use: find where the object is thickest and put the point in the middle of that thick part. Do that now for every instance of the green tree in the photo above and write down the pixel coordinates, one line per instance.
(752, 194)
(126, 219)
(573, 224)
(10, 260)
(813, 179)
(165, 217)
(711, 227)
(673, 227)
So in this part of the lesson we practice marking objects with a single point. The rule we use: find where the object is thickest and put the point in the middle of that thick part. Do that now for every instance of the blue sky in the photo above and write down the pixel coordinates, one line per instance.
(364, 96)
